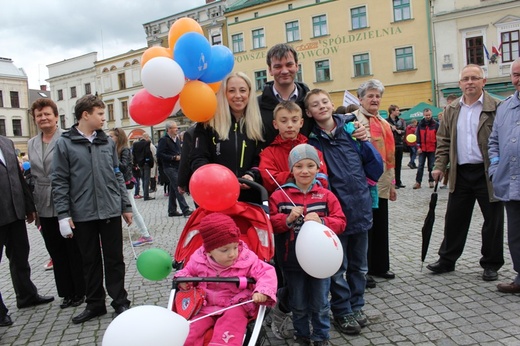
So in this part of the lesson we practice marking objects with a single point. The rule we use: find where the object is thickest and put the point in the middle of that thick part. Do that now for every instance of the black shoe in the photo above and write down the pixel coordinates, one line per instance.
(188, 213)
(66, 302)
(176, 213)
(490, 275)
(148, 198)
(401, 186)
(440, 268)
(119, 310)
(77, 301)
(371, 283)
(38, 301)
(87, 315)
(5, 320)
(386, 275)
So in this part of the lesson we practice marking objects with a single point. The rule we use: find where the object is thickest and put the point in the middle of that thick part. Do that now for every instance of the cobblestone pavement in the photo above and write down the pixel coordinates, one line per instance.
(416, 308)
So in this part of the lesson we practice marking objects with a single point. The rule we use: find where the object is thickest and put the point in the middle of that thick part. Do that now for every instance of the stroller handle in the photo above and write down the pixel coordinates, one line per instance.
(255, 186)
(235, 279)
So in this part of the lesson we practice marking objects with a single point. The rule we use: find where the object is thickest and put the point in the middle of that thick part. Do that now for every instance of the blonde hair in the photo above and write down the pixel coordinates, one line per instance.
(251, 121)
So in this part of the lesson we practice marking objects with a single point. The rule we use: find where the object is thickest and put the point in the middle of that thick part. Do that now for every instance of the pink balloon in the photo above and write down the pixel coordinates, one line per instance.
(148, 110)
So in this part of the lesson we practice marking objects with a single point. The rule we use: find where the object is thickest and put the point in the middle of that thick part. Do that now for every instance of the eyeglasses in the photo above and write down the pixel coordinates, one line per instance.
(472, 78)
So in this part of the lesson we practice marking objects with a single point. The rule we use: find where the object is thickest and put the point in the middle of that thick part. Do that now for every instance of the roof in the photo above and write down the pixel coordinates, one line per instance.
(240, 4)
(35, 94)
(8, 69)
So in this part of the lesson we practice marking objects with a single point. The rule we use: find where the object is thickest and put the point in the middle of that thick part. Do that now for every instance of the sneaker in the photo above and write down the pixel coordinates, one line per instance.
(416, 186)
(347, 324)
(280, 323)
(431, 184)
(361, 318)
(443, 187)
(138, 196)
(188, 213)
(49, 265)
(166, 194)
(142, 241)
(321, 343)
(301, 341)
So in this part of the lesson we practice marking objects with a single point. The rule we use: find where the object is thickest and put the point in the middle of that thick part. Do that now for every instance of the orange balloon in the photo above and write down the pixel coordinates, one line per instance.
(198, 101)
(215, 86)
(154, 52)
(180, 27)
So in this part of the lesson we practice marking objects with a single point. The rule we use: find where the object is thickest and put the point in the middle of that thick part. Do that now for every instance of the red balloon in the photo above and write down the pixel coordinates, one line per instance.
(214, 187)
(148, 110)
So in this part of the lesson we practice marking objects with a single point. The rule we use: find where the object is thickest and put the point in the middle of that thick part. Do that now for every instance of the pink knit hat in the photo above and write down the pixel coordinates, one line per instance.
(217, 230)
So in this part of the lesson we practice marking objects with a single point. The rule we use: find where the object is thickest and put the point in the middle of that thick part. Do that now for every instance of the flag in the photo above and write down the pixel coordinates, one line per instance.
(486, 51)
(496, 50)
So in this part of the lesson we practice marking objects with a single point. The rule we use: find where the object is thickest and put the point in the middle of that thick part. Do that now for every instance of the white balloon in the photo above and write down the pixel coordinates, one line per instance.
(147, 325)
(318, 250)
(162, 77)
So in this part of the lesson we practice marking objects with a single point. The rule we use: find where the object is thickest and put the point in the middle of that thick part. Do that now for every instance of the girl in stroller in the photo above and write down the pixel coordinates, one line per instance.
(224, 254)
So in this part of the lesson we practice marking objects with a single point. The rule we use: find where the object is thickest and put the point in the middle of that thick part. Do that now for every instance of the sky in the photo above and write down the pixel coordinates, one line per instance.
(35, 33)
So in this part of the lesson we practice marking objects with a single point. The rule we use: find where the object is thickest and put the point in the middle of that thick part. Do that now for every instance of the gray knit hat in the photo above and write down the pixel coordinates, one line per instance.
(303, 151)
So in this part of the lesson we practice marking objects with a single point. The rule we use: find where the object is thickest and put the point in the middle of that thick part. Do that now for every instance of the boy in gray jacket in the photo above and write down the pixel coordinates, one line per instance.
(90, 196)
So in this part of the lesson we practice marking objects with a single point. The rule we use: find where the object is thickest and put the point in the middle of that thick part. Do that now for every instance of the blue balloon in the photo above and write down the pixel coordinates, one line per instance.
(220, 65)
(192, 52)
(26, 165)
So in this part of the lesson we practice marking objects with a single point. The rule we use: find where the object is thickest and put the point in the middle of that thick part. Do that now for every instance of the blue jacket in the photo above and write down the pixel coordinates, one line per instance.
(504, 150)
(347, 178)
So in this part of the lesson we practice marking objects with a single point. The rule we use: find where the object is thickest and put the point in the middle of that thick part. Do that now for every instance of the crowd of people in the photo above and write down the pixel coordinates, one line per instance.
(293, 141)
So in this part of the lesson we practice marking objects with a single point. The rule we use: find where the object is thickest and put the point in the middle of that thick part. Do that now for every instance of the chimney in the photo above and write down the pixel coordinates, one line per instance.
(43, 87)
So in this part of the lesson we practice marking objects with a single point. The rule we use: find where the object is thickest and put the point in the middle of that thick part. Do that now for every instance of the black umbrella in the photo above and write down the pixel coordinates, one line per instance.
(428, 224)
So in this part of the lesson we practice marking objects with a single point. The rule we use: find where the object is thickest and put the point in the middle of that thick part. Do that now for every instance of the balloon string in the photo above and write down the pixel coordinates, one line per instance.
(286, 195)
(131, 243)
(221, 310)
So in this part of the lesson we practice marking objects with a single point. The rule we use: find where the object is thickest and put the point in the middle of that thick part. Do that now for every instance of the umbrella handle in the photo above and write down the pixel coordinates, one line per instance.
(436, 185)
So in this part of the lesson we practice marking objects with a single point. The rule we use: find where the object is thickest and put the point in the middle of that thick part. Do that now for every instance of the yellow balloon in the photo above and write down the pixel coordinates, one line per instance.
(411, 138)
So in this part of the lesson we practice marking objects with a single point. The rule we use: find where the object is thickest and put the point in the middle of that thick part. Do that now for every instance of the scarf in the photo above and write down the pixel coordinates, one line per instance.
(382, 138)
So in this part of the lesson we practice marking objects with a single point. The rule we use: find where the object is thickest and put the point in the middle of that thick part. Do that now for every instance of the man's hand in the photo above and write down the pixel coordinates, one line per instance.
(181, 190)
(437, 174)
(30, 217)
(393, 194)
(128, 218)
(66, 226)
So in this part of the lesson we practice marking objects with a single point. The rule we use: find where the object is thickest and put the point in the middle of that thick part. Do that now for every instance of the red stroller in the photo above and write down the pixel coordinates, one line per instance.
(256, 232)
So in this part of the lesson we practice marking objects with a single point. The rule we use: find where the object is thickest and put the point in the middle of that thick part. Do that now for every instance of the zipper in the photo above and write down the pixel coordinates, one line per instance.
(244, 146)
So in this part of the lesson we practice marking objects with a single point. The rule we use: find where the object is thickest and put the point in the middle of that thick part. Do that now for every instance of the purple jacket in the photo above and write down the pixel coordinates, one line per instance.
(220, 295)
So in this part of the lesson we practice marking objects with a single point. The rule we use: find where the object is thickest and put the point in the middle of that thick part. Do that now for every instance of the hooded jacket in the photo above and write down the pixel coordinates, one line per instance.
(426, 133)
(86, 181)
(275, 159)
(267, 101)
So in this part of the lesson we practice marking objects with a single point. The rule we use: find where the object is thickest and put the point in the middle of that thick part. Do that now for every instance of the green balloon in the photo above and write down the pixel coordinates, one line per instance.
(154, 264)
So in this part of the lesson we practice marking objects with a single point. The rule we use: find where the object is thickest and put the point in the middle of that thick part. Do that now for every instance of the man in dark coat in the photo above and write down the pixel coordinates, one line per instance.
(16, 204)
(143, 157)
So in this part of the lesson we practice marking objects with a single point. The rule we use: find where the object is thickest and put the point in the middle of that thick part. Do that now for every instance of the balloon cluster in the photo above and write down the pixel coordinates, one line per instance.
(184, 76)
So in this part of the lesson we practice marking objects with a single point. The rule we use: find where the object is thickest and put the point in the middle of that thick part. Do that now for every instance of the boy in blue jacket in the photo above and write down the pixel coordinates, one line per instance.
(350, 162)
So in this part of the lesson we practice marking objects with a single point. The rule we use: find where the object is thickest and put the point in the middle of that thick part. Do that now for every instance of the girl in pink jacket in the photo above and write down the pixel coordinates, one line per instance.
(223, 254)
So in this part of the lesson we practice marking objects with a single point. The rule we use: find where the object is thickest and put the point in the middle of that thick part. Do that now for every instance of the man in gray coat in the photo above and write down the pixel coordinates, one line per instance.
(16, 205)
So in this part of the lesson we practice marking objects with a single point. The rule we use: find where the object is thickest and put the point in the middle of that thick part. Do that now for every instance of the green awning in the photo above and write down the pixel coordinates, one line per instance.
(416, 112)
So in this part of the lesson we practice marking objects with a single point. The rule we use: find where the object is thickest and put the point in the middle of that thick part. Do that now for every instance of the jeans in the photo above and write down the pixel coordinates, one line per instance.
(513, 236)
(137, 187)
(348, 294)
(398, 162)
(420, 169)
(308, 300)
(413, 154)
(145, 178)
(172, 174)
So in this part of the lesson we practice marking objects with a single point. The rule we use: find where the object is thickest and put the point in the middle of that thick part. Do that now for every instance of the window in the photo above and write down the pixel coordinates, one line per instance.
(17, 127)
(110, 111)
(15, 101)
(359, 17)
(216, 39)
(292, 31)
(122, 81)
(322, 71)
(260, 79)
(319, 25)
(404, 58)
(289, 7)
(402, 10)
(60, 95)
(1, 99)
(238, 43)
(361, 65)
(88, 90)
(258, 38)
(124, 109)
(63, 123)
(299, 75)
(475, 50)
(2, 127)
(73, 92)
(510, 45)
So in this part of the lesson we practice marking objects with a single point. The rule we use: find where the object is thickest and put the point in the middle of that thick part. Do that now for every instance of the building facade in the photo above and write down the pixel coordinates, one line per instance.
(340, 44)
(14, 104)
(479, 32)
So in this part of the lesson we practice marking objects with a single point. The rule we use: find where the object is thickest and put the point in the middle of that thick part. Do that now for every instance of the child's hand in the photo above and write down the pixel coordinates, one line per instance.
(312, 217)
(295, 213)
(184, 286)
(259, 298)
(361, 132)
